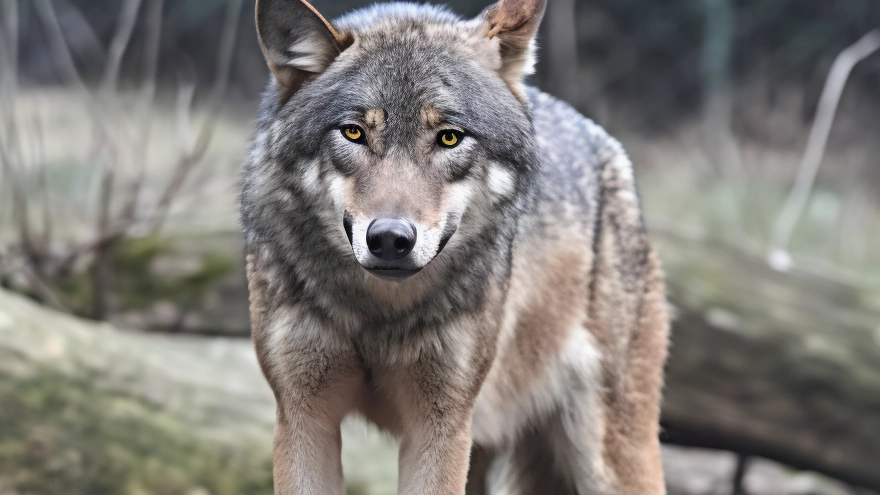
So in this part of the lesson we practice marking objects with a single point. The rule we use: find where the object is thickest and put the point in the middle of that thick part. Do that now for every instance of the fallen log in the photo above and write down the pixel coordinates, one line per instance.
(86, 408)
(784, 366)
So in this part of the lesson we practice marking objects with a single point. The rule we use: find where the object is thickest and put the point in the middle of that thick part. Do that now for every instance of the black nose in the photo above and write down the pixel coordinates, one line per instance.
(391, 239)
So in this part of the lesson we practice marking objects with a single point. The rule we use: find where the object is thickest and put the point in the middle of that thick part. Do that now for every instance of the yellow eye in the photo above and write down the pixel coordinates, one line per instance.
(449, 138)
(353, 133)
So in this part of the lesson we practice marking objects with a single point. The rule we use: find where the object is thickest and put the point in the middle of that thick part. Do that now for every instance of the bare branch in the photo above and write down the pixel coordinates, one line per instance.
(797, 199)
(227, 49)
(19, 207)
(44, 194)
(73, 255)
(194, 155)
(151, 47)
(60, 49)
(124, 29)
(90, 45)
(9, 46)
(101, 263)
(41, 289)
(188, 158)
(151, 65)
(64, 60)
(183, 114)
(8, 66)
(739, 475)
(120, 207)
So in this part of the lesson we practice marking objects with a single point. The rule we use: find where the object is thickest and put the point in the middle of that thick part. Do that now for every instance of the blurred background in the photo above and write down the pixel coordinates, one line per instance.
(124, 361)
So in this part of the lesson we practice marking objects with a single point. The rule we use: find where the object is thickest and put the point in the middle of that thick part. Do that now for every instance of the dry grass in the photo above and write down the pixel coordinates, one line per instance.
(837, 237)
(61, 141)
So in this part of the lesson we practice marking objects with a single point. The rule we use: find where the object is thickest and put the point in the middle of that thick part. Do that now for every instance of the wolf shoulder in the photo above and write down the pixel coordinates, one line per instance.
(577, 156)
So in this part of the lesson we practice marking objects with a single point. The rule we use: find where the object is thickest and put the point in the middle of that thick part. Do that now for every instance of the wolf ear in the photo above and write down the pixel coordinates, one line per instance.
(515, 23)
(297, 40)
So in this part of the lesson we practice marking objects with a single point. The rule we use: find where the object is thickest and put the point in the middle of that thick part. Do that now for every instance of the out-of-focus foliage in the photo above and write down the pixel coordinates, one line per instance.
(649, 54)
(645, 55)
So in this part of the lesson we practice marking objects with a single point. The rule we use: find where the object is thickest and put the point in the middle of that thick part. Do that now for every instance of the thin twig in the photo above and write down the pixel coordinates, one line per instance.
(151, 65)
(151, 48)
(110, 236)
(189, 157)
(20, 211)
(124, 29)
(119, 211)
(91, 48)
(739, 475)
(186, 92)
(100, 262)
(800, 193)
(227, 49)
(60, 49)
(193, 156)
(41, 289)
(67, 66)
(9, 44)
(8, 67)
(44, 195)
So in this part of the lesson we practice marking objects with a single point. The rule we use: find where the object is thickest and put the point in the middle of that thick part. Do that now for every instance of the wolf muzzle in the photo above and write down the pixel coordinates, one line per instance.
(390, 240)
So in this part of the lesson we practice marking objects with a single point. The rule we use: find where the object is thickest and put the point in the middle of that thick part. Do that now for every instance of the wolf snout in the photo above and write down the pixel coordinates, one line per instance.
(394, 247)
(391, 239)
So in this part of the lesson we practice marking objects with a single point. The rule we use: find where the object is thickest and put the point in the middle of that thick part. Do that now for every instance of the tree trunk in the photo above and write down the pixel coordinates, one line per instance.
(560, 34)
(720, 145)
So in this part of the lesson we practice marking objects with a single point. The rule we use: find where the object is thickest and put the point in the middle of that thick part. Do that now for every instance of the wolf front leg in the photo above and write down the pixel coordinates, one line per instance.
(435, 399)
(313, 397)
(435, 462)
(314, 389)
(315, 382)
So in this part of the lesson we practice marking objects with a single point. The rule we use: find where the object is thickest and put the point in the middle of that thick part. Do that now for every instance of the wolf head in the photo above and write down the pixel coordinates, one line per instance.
(401, 129)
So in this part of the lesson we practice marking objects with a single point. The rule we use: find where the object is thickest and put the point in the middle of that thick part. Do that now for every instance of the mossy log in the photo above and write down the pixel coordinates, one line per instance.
(784, 366)
(87, 409)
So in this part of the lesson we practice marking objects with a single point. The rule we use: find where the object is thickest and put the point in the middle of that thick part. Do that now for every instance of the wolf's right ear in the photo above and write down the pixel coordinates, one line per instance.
(515, 24)
(297, 41)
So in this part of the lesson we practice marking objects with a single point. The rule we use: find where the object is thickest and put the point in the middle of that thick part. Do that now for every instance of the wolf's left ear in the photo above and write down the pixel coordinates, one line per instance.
(515, 23)
(297, 40)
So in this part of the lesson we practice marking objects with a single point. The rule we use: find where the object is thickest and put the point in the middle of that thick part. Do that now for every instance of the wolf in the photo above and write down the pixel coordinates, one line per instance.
(453, 255)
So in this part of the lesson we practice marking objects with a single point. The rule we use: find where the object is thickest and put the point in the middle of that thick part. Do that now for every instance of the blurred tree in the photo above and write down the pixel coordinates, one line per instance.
(717, 86)
(560, 48)
(652, 61)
